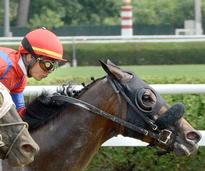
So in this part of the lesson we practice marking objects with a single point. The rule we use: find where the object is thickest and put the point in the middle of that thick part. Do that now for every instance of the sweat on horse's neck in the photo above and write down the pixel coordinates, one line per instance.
(74, 137)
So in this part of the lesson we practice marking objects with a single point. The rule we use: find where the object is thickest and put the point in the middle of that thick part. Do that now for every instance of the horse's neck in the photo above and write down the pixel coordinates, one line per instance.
(77, 134)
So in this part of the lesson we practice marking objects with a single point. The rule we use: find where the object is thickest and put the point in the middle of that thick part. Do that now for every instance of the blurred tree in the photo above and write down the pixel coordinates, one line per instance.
(203, 14)
(1, 13)
(13, 11)
(56, 13)
(46, 13)
(159, 12)
(49, 19)
(92, 12)
(22, 13)
(78, 12)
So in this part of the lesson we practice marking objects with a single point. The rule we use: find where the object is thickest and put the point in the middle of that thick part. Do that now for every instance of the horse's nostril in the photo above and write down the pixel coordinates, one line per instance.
(28, 148)
(194, 136)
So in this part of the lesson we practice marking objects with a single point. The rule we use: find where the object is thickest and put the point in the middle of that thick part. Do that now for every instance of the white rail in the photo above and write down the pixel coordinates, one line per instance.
(113, 39)
(161, 88)
(131, 142)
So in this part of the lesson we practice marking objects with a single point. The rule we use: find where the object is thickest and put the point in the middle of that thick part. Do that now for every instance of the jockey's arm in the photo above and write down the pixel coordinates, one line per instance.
(18, 99)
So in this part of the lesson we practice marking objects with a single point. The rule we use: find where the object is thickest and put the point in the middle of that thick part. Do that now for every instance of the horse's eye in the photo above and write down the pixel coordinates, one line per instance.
(145, 97)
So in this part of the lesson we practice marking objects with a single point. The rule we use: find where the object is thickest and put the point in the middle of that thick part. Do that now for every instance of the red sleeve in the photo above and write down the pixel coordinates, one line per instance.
(21, 86)
(22, 111)
(3, 66)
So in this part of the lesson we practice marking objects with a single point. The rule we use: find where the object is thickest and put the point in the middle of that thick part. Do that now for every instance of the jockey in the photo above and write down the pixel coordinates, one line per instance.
(37, 56)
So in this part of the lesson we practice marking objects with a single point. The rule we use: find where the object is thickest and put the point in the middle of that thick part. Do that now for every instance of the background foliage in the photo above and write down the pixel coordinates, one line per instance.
(103, 12)
(140, 53)
(137, 53)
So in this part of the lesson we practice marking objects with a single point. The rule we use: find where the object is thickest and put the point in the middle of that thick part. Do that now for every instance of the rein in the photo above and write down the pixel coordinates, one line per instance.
(93, 109)
(163, 137)
(5, 107)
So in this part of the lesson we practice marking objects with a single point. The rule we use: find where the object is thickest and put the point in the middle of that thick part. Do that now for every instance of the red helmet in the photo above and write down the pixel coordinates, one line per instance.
(44, 43)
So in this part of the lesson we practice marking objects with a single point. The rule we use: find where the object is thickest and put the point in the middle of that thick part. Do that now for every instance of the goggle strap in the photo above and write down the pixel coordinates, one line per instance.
(26, 44)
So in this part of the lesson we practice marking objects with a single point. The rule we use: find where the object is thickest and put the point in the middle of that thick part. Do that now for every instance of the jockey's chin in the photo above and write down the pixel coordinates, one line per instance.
(39, 75)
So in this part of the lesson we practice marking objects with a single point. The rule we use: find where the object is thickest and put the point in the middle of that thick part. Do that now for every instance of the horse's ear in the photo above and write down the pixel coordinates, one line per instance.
(114, 71)
(105, 67)
(109, 62)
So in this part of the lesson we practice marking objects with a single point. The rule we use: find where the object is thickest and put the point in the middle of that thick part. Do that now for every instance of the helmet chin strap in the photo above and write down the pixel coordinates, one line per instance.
(29, 65)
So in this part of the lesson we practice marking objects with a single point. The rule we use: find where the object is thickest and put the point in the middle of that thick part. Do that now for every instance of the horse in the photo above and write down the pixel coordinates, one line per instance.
(16, 144)
(118, 103)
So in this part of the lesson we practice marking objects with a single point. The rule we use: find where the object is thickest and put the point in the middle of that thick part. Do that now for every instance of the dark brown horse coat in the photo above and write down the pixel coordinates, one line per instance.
(70, 140)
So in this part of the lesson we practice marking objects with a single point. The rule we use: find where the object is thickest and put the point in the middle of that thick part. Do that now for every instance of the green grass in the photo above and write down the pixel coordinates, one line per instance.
(150, 73)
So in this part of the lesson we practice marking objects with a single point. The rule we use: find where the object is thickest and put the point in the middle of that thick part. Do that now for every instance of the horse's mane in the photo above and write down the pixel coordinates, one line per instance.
(86, 87)
(43, 109)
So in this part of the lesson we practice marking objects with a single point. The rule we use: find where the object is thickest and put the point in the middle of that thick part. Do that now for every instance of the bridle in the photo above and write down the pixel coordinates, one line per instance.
(163, 137)
(2, 143)
(8, 107)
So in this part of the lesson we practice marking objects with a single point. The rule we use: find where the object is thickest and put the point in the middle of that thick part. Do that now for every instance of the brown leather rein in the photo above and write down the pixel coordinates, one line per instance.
(164, 137)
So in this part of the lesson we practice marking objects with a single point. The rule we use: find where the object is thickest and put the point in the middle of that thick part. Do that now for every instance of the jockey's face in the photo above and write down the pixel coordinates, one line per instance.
(41, 68)
(37, 72)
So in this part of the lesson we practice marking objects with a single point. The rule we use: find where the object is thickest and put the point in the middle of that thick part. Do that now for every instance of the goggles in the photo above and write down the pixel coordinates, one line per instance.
(47, 65)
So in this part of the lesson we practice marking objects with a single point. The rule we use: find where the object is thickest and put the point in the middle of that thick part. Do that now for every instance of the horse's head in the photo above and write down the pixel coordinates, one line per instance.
(156, 122)
(16, 143)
